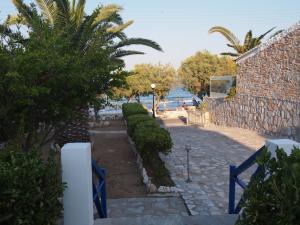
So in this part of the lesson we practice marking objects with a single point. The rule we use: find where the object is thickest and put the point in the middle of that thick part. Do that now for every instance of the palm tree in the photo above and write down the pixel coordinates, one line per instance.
(249, 41)
(104, 25)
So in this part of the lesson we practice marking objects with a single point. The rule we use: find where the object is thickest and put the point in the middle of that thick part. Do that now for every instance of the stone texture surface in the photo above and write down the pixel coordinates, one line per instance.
(213, 150)
(154, 206)
(170, 220)
(268, 89)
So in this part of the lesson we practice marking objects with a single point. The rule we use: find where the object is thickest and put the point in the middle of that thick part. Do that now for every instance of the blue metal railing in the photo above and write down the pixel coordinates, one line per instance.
(99, 191)
(234, 173)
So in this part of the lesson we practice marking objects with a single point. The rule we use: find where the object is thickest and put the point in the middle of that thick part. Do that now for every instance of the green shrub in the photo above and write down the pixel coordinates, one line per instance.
(273, 197)
(152, 139)
(30, 188)
(134, 120)
(133, 108)
(157, 170)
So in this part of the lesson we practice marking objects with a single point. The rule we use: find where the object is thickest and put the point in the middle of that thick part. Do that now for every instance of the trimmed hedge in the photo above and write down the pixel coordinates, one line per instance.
(129, 109)
(150, 139)
(134, 120)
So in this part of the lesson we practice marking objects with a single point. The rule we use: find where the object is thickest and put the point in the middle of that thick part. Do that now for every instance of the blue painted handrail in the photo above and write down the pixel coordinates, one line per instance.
(234, 173)
(99, 190)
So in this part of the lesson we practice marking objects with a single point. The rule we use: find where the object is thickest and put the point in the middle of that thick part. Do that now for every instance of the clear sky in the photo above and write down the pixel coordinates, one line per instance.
(180, 26)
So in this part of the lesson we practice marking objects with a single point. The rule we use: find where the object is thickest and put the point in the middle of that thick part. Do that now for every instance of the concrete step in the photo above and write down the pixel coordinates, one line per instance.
(170, 220)
(154, 206)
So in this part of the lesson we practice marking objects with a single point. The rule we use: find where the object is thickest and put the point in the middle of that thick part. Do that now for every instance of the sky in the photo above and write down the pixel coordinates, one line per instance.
(181, 26)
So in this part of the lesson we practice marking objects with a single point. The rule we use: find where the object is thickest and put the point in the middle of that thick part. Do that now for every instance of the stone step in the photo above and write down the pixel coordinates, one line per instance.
(170, 220)
(154, 206)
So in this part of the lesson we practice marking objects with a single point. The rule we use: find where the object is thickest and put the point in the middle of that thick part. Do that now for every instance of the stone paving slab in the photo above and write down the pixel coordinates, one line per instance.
(213, 150)
(170, 220)
(155, 206)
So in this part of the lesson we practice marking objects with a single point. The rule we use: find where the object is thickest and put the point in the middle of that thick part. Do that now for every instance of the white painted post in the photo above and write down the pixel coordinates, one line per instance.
(286, 144)
(77, 173)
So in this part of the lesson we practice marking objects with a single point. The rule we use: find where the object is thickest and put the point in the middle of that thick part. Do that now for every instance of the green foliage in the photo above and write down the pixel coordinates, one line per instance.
(195, 71)
(239, 48)
(141, 78)
(152, 139)
(203, 106)
(68, 59)
(232, 93)
(232, 90)
(29, 189)
(44, 82)
(273, 196)
(129, 109)
(134, 120)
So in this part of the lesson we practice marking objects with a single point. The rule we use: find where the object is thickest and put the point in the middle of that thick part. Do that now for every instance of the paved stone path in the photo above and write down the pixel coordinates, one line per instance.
(154, 206)
(213, 150)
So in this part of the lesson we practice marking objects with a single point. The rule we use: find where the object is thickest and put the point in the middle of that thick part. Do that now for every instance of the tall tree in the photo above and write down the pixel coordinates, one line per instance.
(195, 71)
(92, 38)
(141, 78)
(239, 47)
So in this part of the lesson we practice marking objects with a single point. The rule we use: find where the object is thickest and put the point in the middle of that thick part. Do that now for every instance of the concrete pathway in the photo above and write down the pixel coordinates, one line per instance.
(213, 150)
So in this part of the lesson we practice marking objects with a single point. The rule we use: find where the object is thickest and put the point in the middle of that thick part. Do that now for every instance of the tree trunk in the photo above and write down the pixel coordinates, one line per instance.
(76, 130)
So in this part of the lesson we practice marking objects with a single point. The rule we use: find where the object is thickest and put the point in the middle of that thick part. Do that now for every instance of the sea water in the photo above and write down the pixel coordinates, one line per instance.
(176, 97)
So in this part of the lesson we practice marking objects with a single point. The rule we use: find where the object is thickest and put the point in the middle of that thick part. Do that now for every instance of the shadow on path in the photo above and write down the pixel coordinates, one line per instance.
(112, 151)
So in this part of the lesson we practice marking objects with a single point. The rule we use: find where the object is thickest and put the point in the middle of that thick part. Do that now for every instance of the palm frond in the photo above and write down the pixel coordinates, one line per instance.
(49, 10)
(119, 28)
(63, 9)
(121, 53)
(15, 19)
(79, 12)
(26, 12)
(230, 54)
(226, 33)
(139, 41)
(107, 12)
(277, 32)
(263, 35)
(248, 39)
(229, 45)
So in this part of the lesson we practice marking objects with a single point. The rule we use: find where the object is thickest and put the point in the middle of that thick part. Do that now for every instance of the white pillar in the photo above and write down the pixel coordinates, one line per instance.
(286, 144)
(77, 173)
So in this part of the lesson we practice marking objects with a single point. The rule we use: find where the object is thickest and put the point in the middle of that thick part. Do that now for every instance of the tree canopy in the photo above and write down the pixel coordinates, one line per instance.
(141, 78)
(66, 60)
(196, 70)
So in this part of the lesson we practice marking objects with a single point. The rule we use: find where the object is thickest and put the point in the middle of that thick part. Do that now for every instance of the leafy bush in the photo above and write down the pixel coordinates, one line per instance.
(29, 189)
(134, 120)
(150, 139)
(129, 109)
(273, 197)
(232, 90)
(153, 139)
(203, 106)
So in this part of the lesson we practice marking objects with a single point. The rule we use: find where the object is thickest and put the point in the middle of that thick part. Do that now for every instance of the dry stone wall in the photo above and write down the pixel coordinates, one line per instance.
(268, 89)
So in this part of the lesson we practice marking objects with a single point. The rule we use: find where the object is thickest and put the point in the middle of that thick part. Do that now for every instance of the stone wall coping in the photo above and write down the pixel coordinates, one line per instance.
(253, 96)
(267, 43)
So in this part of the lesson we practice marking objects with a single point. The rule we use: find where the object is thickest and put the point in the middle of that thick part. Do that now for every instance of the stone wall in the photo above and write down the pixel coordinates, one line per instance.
(268, 89)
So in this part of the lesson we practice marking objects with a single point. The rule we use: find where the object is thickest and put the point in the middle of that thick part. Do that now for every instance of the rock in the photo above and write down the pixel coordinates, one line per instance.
(151, 188)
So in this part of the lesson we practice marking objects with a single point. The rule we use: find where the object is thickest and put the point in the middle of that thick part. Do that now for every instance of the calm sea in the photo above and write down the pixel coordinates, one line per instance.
(176, 97)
